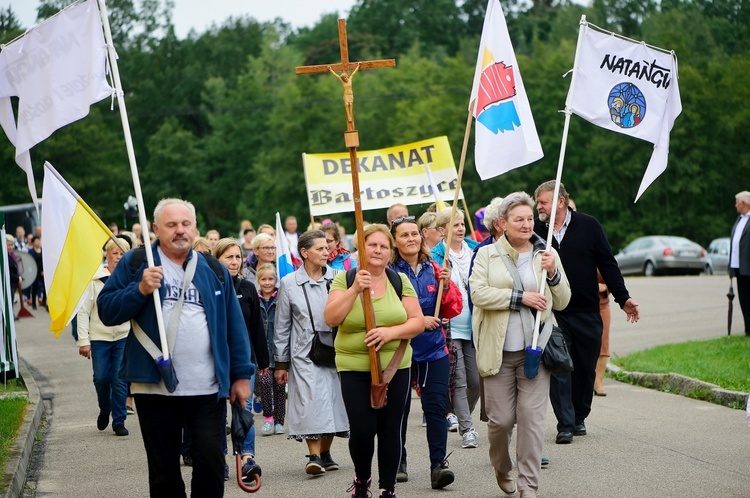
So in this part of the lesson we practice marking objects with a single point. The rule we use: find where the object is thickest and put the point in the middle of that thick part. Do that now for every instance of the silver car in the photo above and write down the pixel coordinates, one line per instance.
(718, 256)
(661, 254)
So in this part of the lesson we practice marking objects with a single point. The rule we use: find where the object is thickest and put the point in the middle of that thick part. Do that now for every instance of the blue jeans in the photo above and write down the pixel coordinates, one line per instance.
(111, 391)
(162, 419)
(248, 448)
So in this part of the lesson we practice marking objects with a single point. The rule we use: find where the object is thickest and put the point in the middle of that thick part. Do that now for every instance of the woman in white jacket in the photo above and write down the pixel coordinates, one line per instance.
(104, 346)
(503, 323)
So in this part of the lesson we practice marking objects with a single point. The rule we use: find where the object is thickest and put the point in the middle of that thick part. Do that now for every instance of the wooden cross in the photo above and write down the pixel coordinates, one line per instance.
(351, 139)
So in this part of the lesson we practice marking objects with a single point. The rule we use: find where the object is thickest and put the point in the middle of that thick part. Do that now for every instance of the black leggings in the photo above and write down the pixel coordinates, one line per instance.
(365, 423)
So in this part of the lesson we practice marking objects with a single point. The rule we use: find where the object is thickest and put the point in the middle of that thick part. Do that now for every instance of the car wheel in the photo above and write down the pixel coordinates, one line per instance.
(649, 269)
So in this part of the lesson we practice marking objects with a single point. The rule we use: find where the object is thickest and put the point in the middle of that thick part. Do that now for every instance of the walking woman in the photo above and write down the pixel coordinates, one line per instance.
(467, 379)
(316, 412)
(505, 292)
(229, 252)
(396, 318)
(430, 352)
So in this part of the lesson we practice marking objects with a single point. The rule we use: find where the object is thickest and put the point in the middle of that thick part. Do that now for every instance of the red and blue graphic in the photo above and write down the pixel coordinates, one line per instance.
(496, 109)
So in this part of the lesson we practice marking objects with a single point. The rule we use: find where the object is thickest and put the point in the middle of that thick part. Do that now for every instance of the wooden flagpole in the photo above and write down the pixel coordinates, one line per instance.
(351, 139)
(133, 169)
(461, 163)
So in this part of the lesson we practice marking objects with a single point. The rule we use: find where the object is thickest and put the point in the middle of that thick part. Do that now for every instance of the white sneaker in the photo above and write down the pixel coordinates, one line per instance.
(279, 429)
(470, 439)
(267, 429)
(452, 422)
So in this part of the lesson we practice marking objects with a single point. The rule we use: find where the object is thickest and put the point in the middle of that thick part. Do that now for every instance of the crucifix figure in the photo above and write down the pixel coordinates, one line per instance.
(351, 138)
(346, 82)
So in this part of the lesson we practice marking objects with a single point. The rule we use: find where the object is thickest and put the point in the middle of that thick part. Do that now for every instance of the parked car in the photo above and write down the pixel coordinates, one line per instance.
(718, 256)
(661, 254)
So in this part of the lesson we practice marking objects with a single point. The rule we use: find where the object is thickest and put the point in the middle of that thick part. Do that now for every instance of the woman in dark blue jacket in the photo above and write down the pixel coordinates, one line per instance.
(430, 354)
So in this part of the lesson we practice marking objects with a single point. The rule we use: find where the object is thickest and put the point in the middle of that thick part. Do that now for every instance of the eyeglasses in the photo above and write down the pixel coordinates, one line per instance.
(430, 228)
(405, 219)
(269, 248)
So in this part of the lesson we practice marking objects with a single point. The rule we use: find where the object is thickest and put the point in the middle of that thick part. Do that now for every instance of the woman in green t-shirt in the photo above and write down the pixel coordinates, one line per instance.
(395, 320)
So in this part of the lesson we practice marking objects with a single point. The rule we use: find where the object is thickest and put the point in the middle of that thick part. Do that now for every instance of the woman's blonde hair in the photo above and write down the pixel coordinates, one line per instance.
(378, 227)
(444, 217)
(201, 244)
(265, 268)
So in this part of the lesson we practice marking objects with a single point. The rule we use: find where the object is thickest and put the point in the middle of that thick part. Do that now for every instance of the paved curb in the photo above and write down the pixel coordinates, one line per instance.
(684, 386)
(17, 466)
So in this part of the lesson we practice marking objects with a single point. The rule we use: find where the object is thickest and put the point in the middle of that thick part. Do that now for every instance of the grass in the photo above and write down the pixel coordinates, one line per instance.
(724, 361)
(12, 386)
(12, 412)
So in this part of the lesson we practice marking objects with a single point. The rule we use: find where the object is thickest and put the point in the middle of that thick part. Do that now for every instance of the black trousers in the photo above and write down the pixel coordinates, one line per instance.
(161, 419)
(571, 394)
(743, 293)
(365, 423)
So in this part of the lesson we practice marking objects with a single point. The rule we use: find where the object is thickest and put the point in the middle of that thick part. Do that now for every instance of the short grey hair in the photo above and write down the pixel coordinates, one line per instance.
(307, 240)
(549, 186)
(173, 200)
(492, 214)
(512, 201)
(743, 196)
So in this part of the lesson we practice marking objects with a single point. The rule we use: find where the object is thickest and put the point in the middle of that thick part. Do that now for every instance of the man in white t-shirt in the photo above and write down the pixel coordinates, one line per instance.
(210, 354)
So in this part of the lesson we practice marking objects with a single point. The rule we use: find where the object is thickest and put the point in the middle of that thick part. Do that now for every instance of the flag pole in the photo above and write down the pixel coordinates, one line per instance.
(558, 179)
(461, 163)
(133, 169)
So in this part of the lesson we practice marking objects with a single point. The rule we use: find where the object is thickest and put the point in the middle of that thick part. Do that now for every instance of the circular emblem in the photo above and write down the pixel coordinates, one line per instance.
(627, 105)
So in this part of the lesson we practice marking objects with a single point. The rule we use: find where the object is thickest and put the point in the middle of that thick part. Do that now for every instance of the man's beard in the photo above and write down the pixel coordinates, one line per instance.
(544, 217)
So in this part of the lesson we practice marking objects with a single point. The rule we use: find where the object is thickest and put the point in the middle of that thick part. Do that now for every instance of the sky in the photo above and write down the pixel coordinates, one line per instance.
(194, 13)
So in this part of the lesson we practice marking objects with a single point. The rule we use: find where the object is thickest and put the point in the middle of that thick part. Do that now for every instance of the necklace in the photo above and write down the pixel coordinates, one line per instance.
(375, 287)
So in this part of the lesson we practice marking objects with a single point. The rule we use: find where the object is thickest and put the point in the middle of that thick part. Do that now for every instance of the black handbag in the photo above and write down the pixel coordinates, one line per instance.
(556, 356)
(322, 352)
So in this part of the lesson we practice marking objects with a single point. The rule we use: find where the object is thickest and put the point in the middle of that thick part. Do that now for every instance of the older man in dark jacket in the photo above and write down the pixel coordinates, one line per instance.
(583, 248)
(739, 254)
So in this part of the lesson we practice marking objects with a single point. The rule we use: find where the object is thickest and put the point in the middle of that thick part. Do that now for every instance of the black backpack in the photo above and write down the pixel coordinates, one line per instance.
(392, 275)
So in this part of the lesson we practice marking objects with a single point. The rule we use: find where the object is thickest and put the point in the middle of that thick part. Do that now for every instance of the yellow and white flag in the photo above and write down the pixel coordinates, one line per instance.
(73, 240)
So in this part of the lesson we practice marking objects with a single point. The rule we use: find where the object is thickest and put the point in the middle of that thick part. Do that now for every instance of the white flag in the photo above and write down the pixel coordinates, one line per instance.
(629, 88)
(57, 70)
(505, 133)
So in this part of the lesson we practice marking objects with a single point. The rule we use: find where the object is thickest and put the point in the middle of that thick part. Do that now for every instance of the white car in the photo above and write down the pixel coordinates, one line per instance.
(718, 256)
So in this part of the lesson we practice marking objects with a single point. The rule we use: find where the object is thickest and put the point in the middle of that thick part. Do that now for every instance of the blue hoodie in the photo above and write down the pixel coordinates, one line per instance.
(121, 301)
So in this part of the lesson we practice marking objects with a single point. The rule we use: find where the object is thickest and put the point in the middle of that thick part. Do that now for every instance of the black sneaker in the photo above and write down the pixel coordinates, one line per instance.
(120, 430)
(250, 470)
(360, 489)
(328, 462)
(441, 476)
(314, 466)
(403, 475)
(102, 421)
(187, 459)
(388, 494)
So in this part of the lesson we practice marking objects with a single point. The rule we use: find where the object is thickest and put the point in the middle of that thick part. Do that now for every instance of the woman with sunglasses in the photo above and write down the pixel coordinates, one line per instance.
(430, 353)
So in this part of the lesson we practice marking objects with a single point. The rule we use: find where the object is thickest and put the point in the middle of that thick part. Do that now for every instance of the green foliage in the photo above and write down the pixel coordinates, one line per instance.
(724, 361)
(12, 412)
(221, 119)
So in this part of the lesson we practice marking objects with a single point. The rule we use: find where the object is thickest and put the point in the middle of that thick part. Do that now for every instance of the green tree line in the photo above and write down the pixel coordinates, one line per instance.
(220, 117)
